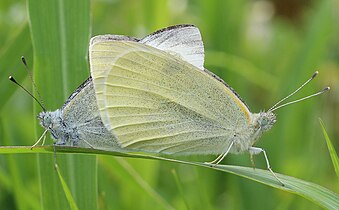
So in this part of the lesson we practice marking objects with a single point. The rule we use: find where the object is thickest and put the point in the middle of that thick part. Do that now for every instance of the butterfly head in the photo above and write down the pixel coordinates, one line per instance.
(51, 121)
(266, 120)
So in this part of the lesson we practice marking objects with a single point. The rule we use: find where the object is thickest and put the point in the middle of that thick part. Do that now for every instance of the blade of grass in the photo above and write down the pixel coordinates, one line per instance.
(311, 191)
(60, 35)
(67, 191)
(10, 62)
(331, 149)
(138, 180)
(181, 190)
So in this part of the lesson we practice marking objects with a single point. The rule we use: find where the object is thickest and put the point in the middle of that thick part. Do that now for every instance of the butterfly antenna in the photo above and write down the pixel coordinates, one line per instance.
(294, 92)
(301, 99)
(31, 77)
(277, 106)
(14, 81)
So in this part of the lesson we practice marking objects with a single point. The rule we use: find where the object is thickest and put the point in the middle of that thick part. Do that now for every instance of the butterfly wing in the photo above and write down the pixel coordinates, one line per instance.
(81, 115)
(183, 41)
(152, 101)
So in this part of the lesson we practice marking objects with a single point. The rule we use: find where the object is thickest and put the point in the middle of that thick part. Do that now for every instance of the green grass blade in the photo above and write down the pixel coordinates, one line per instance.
(180, 187)
(331, 149)
(311, 191)
(130, 172)
(67, 191)
(60, 35)
(19, 45)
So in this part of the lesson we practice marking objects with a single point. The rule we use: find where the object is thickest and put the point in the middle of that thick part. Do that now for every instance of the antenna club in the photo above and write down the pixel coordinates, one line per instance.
(12, 79)
(23, 60)
(326, 89)
(315, 74)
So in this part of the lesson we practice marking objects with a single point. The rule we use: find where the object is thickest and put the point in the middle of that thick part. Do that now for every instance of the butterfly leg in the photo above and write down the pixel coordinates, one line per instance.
(257, 150)
(41, 137)
(222, 155)
(252, 161)
(43, 141)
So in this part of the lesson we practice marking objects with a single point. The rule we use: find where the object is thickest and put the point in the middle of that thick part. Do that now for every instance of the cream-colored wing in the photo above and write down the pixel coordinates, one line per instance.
(183, 41)
(155, 102)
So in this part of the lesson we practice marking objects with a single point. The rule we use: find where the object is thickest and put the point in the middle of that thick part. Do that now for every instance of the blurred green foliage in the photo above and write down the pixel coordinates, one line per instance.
(263, 49)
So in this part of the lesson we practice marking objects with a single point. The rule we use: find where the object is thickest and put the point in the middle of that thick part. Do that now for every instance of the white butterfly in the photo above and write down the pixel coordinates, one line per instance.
(154, 95)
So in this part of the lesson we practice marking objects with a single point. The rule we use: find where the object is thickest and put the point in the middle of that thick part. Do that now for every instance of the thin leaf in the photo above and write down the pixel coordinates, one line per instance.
(67, 191)
(10, 63)
(181, 190)
(60, 36)
(141, 182)
(331, 149)
(313, 192)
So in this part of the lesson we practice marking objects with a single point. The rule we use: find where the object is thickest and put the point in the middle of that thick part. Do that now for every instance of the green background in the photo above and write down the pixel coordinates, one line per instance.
(263, 49)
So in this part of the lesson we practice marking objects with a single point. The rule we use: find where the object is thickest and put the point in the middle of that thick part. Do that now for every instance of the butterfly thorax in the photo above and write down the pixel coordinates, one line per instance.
(60, 131)
(246, 137)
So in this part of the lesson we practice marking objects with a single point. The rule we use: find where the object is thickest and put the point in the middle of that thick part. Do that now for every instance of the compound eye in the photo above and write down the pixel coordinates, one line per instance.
(47, 120)
(263, 122)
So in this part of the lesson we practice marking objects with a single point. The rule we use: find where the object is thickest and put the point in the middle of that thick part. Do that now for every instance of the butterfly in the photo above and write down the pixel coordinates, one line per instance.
(154, 95)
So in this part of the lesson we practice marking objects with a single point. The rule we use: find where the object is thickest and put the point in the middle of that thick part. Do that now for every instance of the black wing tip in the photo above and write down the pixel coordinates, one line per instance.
(171, 28)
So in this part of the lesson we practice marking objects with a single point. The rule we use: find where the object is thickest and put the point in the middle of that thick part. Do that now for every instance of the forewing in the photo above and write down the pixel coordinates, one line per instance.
(153, 101)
